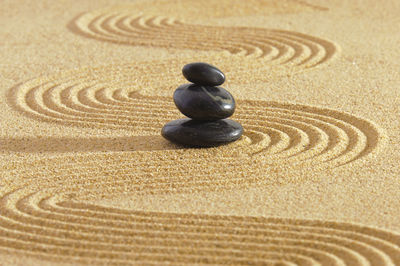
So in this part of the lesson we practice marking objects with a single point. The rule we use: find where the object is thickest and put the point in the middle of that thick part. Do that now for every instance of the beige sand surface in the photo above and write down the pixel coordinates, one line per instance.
(86, 177)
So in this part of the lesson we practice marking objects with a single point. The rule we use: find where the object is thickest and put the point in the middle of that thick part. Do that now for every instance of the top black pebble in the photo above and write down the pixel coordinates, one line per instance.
(203, 74)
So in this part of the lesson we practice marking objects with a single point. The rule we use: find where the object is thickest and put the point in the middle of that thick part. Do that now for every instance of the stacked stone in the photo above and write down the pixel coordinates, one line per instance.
(207, 107)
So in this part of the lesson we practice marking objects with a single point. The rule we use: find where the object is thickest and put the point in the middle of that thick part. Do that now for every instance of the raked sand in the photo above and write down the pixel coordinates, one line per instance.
(86, 177)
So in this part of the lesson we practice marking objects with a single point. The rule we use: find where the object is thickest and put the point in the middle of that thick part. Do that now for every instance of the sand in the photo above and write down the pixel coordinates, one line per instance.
(86, 177)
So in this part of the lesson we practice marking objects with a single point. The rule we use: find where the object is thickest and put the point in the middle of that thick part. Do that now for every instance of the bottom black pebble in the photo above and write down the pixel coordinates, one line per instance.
(196, 133)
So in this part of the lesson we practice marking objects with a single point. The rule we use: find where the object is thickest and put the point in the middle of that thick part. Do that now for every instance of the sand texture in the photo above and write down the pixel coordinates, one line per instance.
(87, 179)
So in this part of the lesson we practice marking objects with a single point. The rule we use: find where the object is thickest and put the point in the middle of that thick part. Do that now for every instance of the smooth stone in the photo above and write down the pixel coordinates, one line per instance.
(202, 134)
(204, 102)
(203, 74)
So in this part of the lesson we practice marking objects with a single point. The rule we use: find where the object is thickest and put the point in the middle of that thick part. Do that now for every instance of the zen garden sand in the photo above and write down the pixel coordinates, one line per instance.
(87, 178)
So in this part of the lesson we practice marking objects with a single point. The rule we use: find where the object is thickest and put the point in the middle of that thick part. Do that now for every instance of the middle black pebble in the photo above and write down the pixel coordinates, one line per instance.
(204, 102)
(207, 105)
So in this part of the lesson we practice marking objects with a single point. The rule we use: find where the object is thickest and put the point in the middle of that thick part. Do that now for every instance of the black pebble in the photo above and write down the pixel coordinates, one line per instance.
(203, 74)
(204, 102)
(202, 134)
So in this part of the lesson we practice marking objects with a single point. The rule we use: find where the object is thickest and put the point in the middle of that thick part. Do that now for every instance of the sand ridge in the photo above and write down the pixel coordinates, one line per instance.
(277, 131)
(97, 234)
(276, 46)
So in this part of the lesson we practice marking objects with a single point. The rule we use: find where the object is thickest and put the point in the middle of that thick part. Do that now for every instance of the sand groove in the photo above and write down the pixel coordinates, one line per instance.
(277, 47)
(107, 98)
(38, 223)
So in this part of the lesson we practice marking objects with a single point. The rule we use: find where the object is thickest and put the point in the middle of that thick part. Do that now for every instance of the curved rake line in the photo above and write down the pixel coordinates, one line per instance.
(367, 245)
(259, 43)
